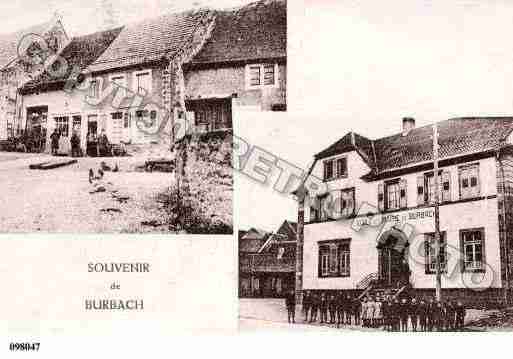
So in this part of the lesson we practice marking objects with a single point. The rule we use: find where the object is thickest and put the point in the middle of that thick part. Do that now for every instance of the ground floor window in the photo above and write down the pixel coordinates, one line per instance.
(62, 125)
(430, 253)
(334, 258)
(472, 249)
(211, 115)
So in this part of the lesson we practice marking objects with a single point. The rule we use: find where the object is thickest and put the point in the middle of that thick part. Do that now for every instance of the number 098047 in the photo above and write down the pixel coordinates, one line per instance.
(24, 347)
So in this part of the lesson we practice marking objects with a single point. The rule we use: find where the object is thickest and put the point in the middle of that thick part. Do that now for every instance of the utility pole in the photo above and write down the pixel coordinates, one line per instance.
(437, 215)
(301, 194)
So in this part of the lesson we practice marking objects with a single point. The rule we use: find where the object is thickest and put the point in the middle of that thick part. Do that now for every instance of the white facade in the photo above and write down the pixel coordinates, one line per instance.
(362, 231)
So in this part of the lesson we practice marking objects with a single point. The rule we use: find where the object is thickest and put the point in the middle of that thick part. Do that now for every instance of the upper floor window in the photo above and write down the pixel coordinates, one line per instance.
(426, 187)
(335, 168)
(392, 195)
(334, 258)
(430, 251)
(469, 181)
(261, 75)
(472, 249)
(347, 202)
(142, 82)
(95, 88)
(120, 80)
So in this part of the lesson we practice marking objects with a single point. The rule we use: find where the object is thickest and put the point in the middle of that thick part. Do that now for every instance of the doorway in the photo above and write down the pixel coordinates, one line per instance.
(393, 267)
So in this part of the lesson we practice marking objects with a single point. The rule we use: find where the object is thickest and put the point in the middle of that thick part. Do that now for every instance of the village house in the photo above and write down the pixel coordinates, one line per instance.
(267, 261)
(37, 43)
(135, 80)
(371, 227)
(51, 101)
(241, 66)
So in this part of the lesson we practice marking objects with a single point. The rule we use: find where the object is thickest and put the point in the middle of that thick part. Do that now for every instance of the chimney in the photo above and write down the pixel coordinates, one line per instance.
(408, 125)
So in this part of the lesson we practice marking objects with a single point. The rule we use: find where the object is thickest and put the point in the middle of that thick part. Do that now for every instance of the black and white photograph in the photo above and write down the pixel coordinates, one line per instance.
(117, 117)
(390, 208)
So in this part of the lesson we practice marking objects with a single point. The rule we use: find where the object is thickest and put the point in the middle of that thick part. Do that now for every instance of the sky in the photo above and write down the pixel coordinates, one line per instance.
(364, 65)
(82, 17)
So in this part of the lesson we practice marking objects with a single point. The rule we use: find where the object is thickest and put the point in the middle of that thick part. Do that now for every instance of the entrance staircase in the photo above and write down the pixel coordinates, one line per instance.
(372, 286)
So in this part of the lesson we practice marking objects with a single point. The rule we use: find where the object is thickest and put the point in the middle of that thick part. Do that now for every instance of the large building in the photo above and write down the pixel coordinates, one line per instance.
(370, 223)
(267, 261)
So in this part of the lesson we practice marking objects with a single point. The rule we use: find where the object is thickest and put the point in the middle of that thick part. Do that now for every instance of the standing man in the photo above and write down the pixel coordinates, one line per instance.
(431, 308)
(460, 315)
(403, 314)
(75, 144)
(332, 307)
(414, 314)
(307, 302)
(54, 137)
(314, 307)
(450, 316)
(348, 308)
(423, 312)
(340, 310)
(324, 308)
(357, 309)
(290, 303)
(103, 144)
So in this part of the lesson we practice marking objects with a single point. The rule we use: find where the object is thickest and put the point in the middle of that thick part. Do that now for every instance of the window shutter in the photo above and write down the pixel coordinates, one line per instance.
(446, 186)
(403, 193)
(420, 190)
(381, 197)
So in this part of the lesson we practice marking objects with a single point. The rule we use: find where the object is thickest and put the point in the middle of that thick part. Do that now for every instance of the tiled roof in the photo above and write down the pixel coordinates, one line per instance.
(254, 31)
(9, 42)
(150, 40)
(250, 245)
(287, 231)
(80, 52)
(458, 136)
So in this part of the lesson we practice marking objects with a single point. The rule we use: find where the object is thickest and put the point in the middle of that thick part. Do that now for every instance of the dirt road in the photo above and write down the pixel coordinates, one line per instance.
(59, 200)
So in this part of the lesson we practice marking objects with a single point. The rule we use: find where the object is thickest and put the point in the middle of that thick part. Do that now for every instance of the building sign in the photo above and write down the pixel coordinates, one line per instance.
(378, 219)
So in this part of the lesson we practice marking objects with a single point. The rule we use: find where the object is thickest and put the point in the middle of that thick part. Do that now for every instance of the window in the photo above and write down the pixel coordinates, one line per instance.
(347, 202)
(392, 195)
(324, 259)
(120, 81)
(77, 123)
(211, 115)
(62, 125)
(344, 256)
(472, 245)
(392, 190)
(261, 75)
(94, 88)
(324, 207)
(269, 74)
(328, 170)
(126, 120)
(426, 188)
(334, 258)
(469, 181)
(254, 75)
(335, 168)
(142, 82)
(430, 253)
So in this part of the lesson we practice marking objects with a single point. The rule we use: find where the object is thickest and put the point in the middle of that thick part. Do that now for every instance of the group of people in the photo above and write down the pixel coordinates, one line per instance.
(101, 142)
(387, 312)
